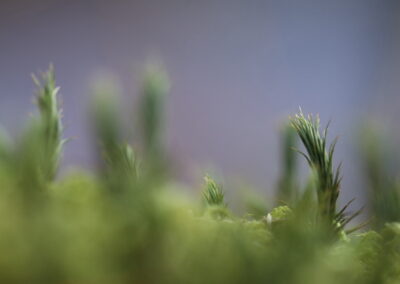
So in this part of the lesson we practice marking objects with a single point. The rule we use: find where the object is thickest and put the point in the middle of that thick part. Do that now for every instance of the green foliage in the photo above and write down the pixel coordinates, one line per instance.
(281, 213)
(380, 174)
(50, 123)
(118, 225)
(152, 118)
(120, 162)
(287, 181)
(213, 194)
(321, 160)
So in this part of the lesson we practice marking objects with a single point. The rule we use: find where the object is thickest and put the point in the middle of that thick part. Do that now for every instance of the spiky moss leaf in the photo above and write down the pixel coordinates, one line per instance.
(320, 157)
(212, 193)
(50, 122)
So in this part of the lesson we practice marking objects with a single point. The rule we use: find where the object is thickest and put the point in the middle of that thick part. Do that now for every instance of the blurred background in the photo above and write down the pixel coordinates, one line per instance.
(238, 69)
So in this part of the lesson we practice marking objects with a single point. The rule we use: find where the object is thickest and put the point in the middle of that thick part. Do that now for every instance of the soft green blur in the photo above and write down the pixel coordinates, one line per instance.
(130, 222)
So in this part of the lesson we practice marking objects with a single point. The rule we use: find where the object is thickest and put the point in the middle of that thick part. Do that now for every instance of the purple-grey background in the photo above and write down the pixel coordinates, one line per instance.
(238, 70)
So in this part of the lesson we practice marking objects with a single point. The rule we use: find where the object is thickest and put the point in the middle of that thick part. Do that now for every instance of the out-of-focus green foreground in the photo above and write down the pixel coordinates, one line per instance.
(130, 223)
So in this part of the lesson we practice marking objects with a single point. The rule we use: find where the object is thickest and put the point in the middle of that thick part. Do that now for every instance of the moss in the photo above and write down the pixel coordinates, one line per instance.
(131, 222)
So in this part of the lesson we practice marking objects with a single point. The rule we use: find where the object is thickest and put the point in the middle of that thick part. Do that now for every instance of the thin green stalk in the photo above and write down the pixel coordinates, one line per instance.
(50, 124)
(286, 185)
(152, 117)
